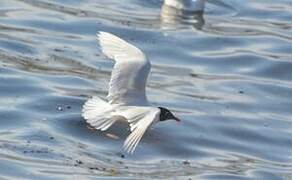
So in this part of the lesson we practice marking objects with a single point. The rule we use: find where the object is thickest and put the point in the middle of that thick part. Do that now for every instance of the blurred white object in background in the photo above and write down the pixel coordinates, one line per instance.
(189, 5)
(180, 13)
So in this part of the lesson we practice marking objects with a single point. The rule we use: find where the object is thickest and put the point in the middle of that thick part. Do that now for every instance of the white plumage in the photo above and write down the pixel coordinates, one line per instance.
(126, 96)
(128, 80)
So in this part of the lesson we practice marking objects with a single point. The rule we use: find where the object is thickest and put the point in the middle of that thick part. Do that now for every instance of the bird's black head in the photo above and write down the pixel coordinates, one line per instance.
(165, 114)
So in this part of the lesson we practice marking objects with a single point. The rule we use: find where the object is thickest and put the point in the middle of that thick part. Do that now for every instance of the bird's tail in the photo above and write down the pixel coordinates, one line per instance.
(97, 113)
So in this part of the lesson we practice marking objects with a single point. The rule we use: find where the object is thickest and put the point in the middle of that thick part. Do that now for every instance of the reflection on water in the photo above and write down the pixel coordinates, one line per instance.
(193, 5)
(225, 69)
(172, 17)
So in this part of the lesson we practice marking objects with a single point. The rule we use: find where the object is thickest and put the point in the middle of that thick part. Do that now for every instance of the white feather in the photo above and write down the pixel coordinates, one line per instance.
(129, 76)
(126, 95)
(138, 128)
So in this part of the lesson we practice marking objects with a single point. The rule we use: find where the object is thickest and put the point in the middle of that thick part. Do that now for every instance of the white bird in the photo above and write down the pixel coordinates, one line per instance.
(126, 97)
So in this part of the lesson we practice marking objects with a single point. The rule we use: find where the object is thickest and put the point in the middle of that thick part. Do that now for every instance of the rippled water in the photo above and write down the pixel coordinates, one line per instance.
(227, 73)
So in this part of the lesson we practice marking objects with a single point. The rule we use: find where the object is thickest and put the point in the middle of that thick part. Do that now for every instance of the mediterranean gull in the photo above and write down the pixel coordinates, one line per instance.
(126, 97)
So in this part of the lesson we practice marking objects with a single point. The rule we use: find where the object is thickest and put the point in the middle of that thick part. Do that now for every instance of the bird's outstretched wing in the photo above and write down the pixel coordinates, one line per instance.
(131, 69)
(139, 126)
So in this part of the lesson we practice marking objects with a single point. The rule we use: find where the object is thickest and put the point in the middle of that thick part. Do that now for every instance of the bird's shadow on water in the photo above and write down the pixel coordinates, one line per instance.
(156, 142)
(75, 126)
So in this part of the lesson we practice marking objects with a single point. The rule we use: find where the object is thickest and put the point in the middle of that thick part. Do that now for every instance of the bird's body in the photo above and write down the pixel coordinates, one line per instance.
(126, 97)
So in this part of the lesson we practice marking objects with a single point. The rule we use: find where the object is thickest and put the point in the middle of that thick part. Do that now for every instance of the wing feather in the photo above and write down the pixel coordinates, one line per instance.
(139, 129)
(131, 69)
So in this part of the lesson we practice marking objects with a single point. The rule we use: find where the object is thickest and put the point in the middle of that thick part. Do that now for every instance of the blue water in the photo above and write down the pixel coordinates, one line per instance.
(227, 73)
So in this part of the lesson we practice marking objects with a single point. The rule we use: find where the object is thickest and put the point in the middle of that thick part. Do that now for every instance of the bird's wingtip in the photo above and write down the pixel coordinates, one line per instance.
(100, 33)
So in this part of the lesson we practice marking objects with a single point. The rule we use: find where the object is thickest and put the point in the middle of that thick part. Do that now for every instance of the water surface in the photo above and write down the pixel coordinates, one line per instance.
(226, 72)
